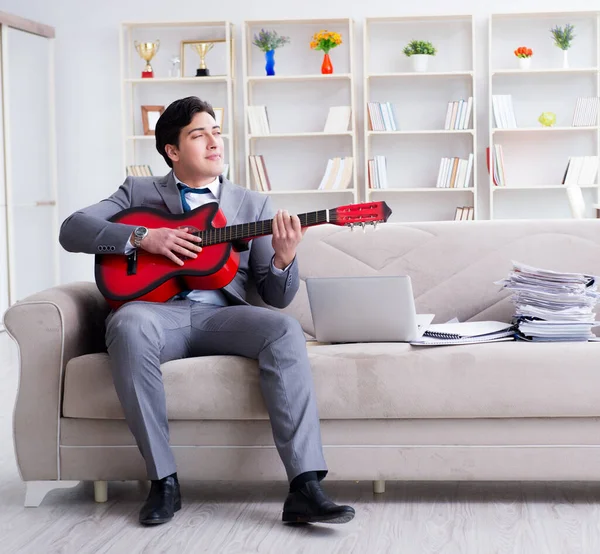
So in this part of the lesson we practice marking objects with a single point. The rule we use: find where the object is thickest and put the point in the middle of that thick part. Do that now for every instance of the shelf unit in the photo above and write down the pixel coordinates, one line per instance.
(297, 99)
(218, 88)
(413, 153)
(536, 157)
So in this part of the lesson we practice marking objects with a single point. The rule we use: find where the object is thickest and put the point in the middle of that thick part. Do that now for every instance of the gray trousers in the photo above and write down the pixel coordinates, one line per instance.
(142, 335)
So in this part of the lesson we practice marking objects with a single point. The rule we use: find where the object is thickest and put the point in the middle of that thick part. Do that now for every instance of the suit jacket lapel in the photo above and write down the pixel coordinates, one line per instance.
(167, 188)
(231, 199)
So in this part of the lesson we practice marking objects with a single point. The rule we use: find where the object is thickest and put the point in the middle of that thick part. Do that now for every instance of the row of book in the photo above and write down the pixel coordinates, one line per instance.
(338, 120)
(581, 170)
(377, 172)
(382, 117)
(338, 174)
(504, 113)
(259, 173)
(458, 114)
(138, 171)
(455, 172)
(586, 112)
(464, 213)
(496, 165)
(258, 120)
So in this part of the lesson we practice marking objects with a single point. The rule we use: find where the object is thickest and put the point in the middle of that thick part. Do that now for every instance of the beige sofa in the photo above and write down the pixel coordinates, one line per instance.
(504, 411)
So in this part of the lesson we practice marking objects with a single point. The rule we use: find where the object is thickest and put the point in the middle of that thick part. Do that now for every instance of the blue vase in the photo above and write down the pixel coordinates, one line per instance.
(270, 57)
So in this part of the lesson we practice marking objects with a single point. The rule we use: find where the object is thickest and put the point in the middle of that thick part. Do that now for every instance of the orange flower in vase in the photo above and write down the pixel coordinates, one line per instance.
(524, 55)
(325, 41)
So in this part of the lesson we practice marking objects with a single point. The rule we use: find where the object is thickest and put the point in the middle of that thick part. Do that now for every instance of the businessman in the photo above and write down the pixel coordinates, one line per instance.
(140, 336)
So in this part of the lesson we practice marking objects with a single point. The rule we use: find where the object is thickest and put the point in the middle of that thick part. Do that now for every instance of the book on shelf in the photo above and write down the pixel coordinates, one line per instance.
(259, 172)
(138, 171)
(377, 170)
(458, 114)
(464, 213)
(382, 116)
(576, 201)
(581, 170)
(586, 112)
(455, 172)
(497, 165)
(504, 113)
(258, 120)
(338, 119)
(338, 174)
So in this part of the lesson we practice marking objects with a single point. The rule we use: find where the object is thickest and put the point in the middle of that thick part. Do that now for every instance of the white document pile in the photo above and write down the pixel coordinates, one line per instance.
(552, 306)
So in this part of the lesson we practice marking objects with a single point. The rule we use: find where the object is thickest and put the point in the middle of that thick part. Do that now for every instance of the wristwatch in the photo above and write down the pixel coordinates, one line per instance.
(139, 234)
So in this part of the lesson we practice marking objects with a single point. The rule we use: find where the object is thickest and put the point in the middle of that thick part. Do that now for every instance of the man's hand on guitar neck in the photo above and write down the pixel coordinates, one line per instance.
(287, 234)
(171, 242)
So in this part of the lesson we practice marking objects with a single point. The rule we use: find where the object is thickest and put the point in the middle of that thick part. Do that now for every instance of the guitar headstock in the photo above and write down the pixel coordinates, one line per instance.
(368, 213)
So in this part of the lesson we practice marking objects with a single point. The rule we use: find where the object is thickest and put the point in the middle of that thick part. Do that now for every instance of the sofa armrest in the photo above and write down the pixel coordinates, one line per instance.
(50, 328)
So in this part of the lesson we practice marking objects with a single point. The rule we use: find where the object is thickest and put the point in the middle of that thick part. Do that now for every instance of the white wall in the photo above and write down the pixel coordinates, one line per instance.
(88, 87)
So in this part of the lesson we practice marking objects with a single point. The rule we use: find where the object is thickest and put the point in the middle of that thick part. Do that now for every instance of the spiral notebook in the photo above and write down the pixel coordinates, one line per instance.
(466, 333)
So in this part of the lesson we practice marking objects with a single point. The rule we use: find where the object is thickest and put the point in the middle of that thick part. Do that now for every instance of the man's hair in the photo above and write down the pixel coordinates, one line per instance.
(177, 115)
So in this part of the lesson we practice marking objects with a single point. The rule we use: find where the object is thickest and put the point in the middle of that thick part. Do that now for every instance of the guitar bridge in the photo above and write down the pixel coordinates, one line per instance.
(132, 263)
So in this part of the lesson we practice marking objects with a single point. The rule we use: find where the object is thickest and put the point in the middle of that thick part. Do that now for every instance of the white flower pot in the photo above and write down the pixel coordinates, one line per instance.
(420, 61)
(565, 59)
(524, 63)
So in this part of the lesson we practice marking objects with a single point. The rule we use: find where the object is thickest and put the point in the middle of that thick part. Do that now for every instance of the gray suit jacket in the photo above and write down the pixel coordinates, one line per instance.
(88, 230)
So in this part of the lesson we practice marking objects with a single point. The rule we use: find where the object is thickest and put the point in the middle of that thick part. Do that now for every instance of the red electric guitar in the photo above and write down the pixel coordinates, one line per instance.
(155, 278)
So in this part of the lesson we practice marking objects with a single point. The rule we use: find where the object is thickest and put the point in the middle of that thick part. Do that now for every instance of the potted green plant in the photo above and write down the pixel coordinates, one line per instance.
(419, 51)
(562, 39)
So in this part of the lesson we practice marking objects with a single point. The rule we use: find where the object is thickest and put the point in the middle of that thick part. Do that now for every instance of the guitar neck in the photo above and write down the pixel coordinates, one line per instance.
(246, 231)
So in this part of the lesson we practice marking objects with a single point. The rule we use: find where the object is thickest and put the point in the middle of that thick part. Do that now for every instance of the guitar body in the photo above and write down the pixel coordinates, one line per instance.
(156, 278)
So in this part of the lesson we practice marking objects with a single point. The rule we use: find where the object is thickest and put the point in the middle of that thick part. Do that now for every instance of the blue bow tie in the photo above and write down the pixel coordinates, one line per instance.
(183, 189)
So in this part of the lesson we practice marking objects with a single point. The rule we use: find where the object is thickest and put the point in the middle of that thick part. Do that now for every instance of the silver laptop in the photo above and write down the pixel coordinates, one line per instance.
(365, 309)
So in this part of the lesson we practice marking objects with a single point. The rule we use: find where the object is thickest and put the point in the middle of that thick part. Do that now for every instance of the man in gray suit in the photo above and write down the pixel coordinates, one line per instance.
(140, 336)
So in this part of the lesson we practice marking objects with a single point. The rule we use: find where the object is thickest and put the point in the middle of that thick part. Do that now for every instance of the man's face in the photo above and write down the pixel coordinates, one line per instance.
(201, 148)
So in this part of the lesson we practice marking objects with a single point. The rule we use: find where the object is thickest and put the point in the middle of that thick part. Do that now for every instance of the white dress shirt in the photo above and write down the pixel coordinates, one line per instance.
(195, 200)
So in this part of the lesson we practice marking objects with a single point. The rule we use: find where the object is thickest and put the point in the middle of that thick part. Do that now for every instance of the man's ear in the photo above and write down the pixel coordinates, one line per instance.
(173, 152)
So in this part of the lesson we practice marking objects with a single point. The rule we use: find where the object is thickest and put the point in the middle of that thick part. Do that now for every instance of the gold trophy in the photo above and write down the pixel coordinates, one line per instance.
(147, 51)
(203, 48)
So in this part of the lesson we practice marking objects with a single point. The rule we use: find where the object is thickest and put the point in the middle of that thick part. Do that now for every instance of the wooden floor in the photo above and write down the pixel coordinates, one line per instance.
(420, 518)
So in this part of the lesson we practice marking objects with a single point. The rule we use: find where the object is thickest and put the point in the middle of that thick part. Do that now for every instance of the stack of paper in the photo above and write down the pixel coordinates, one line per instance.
(552, 306)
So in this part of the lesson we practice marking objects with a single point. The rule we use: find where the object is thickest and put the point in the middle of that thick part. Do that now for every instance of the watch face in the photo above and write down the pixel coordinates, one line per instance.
(141, 232)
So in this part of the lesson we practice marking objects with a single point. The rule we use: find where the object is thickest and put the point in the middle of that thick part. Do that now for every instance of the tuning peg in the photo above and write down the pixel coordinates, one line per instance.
(363, 225)
(352, 226)
(375, 225)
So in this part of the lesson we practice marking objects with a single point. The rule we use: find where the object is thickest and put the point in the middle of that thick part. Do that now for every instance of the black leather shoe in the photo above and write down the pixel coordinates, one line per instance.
(309, 504)
(162, 502)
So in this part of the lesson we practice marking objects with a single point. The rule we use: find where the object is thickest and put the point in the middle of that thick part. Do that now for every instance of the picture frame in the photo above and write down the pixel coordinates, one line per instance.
(219, 117)
(150, 115)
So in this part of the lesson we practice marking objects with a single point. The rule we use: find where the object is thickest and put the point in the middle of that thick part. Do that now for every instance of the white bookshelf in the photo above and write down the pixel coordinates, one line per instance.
(218, 88)
(536, 157)
(297, 100)
(414, 151)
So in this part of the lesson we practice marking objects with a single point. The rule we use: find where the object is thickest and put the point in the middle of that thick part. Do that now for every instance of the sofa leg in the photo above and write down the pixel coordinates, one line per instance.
(378, 487)
(100, 491)
(35, 491)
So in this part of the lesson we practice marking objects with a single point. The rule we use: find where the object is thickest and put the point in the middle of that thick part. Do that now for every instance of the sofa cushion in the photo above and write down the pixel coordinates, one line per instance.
(377, 380)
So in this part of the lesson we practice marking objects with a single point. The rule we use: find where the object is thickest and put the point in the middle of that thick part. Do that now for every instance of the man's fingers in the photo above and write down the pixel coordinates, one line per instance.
(172, 257)
(296, 225)
(183, 251)
(275, 226)
(183, 234)
(189, 245)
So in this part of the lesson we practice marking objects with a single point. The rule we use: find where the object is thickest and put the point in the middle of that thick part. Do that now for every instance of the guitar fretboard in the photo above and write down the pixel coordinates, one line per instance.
(259, 228)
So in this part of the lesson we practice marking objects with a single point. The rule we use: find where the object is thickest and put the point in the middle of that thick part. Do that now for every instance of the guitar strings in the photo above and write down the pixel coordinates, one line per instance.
(258, 228)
